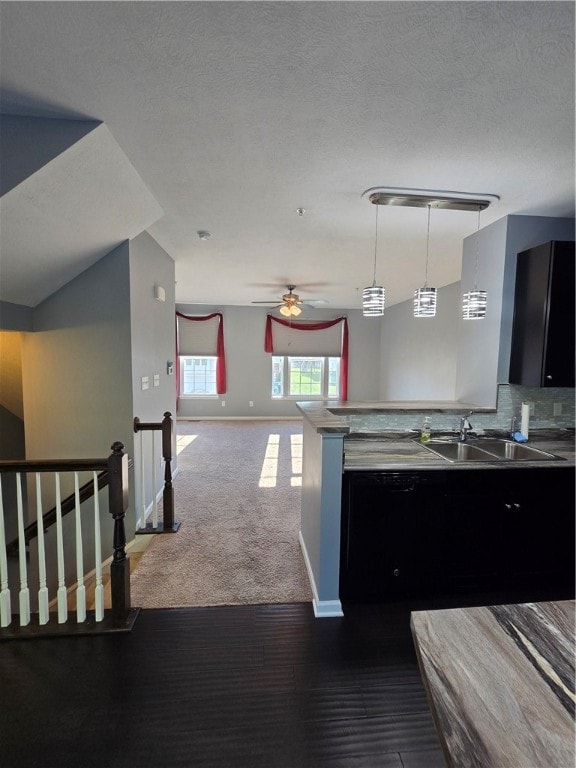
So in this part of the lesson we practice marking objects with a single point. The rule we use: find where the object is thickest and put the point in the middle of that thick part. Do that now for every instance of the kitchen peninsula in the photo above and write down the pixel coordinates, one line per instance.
(478, 513)
(500, 682)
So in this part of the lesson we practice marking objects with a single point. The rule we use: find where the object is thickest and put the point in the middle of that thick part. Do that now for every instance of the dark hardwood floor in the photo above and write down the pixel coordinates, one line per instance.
(244, 687)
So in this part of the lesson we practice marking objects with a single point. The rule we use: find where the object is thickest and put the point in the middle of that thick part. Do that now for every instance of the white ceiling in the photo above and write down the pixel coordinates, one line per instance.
(235, 114)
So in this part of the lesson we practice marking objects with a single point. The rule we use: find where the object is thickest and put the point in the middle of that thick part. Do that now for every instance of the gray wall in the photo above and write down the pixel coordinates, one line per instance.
(484, 345)
(418, 355)
(77, 386)
(249, 367)
(15, 317)
(152, 345)
(77, 365)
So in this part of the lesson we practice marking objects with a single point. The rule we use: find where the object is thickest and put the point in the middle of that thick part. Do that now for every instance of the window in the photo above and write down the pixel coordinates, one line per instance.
(306, 377)
(197, 376)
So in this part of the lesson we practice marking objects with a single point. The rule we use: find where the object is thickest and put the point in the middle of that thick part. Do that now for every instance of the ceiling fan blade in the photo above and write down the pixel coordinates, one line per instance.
(272, 301)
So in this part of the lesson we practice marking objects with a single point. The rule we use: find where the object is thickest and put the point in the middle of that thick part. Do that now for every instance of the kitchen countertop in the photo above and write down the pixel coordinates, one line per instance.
(401, 450)
(500, 681)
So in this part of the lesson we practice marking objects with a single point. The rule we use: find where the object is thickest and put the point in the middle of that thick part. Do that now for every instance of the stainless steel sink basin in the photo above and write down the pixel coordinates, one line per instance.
(506, 449)
(458, 451)
(491, 450)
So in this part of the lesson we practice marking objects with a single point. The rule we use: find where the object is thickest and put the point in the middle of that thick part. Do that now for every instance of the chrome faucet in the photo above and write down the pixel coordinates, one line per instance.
(464, 427)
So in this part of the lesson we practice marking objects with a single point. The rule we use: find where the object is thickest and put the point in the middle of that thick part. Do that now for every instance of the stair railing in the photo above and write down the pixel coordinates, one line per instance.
(167, 524)
(121, 615)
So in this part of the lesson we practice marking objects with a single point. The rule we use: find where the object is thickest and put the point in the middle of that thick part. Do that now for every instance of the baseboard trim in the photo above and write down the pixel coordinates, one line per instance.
(323, 609)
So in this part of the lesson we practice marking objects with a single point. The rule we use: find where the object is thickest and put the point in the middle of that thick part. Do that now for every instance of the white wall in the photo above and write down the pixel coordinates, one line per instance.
(249, 371)
(418, 355)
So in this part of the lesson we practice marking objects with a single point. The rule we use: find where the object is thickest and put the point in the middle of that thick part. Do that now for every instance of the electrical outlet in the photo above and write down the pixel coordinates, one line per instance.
(223, 403)
(557, 409)
(251, 403)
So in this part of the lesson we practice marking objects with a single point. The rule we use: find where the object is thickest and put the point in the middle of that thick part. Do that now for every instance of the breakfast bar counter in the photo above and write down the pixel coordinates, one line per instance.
(500, 681)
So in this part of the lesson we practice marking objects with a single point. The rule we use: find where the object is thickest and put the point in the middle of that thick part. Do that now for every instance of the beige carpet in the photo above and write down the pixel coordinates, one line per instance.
(237, 496)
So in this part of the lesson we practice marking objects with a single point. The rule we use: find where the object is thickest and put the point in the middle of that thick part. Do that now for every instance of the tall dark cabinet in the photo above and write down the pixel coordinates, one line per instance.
(542, 353)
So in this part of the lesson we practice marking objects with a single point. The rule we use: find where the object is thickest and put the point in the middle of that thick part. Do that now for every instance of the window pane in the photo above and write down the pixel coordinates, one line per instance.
(277, 376)
(306, 375)
(198, 376)
(334, 377)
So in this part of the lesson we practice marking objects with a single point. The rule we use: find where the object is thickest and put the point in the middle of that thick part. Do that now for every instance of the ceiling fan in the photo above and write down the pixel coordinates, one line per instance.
(291, 303)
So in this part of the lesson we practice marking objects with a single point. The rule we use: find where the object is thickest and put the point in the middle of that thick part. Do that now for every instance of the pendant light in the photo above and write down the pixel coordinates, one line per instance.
(474, 302)
(374, 297)
(425, 297)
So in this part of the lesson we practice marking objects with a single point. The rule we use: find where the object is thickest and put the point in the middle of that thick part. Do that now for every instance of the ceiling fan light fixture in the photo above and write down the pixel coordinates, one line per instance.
(290, 310)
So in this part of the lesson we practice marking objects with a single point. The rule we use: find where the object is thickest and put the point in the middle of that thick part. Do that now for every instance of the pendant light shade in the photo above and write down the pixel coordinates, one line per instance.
(425, 297)
(425, 302)
(474, 302)
(374, 297)
(474, 305)
(373, 300)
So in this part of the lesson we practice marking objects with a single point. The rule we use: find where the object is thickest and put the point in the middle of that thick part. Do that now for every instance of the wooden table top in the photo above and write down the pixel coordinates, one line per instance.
(500, 681)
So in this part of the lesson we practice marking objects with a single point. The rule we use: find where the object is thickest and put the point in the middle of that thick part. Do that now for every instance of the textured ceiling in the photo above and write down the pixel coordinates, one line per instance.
(234, 114)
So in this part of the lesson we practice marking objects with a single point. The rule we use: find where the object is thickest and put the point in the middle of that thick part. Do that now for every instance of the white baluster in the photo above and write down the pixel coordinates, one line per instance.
(62, 600)
(43, 614)
(24, 591)
(99, 590)
(80, 588)
(154, 494)
(5, 608)
(142, 482)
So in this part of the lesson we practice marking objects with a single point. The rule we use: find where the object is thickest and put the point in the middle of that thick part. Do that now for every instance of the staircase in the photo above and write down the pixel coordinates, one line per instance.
(54, 550)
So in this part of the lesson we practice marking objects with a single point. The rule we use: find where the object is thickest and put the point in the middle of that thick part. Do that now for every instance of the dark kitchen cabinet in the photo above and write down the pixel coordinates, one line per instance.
(473, 537)
(542, 351)
(456, 534)
(538, 525)
(385, 551)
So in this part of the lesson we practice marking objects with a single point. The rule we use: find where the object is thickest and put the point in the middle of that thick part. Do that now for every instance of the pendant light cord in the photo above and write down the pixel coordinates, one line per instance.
(477, 250)
(375, 247)
(427, 245)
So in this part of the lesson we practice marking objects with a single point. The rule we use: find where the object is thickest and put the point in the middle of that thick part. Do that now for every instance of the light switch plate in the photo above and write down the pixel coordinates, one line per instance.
(156, 379)
(145, 382)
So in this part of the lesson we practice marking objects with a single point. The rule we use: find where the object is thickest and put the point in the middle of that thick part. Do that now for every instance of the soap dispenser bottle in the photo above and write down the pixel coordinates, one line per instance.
(426, 428)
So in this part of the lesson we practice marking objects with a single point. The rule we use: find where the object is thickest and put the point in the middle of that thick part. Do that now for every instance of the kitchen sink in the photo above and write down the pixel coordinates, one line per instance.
(458, 451)
(491, 450)
(506, 449)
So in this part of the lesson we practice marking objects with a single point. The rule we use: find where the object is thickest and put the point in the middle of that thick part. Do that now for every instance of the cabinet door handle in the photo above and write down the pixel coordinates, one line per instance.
(508, 506)
(516, 505)
(549, 377)
(396, 572)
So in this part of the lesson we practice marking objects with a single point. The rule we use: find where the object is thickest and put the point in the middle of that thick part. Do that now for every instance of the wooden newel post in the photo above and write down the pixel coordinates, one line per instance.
(168, 492)
(118, 505)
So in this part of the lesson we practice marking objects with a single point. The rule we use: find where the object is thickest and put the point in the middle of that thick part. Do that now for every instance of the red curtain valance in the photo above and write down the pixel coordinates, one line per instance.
(316, 326)
(220, 354)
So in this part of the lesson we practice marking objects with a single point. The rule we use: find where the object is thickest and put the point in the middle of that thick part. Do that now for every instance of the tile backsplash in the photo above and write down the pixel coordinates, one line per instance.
(510, 399)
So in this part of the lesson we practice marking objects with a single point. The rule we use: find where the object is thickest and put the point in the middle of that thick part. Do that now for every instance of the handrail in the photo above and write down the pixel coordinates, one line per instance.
(53, 465)
(49, 518)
